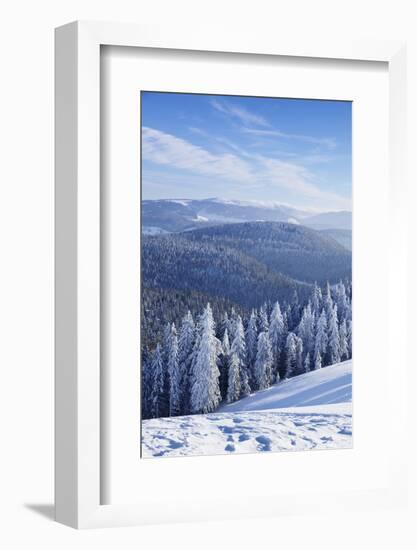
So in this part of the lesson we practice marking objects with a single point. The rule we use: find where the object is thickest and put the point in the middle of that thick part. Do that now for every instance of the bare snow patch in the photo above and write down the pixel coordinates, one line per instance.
(246, 432)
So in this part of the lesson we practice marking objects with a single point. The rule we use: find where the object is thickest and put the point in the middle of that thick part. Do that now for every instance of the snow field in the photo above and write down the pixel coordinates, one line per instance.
(310, 411)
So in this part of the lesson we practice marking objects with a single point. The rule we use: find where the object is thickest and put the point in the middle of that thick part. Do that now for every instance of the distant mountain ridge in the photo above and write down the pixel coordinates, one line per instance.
(175, 215)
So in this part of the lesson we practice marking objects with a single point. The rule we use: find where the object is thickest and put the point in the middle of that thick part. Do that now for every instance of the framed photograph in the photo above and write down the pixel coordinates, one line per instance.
(247, 295)
(227, 313)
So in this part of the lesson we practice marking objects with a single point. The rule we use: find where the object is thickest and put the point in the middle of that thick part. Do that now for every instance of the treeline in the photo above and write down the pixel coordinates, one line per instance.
(200, 363)
(161, 306)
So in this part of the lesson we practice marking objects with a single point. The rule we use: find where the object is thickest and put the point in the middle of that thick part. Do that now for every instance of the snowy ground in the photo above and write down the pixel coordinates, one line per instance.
(311, 411)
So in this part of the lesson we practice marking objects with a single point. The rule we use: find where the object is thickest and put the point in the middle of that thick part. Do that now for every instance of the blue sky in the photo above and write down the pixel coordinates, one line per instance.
(292, 151)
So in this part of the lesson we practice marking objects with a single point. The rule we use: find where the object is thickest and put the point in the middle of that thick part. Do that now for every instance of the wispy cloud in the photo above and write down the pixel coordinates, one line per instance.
(296, 177)
(240, 166)
(252, 120)
(240, 113)
(199, 131)
(328, 142)
(315, 158)
(162, 148)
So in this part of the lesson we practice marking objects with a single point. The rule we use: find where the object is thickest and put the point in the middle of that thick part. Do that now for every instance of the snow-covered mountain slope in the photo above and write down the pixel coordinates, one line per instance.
(311, 411)
(326, 386)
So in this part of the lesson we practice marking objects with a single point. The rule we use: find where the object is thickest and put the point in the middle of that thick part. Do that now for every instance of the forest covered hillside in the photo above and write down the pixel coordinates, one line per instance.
(218, 265)
(289, 249)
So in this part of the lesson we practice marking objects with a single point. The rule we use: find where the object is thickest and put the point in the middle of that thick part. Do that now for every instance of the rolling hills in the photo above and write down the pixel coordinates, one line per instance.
(291, 250)
(214, 268)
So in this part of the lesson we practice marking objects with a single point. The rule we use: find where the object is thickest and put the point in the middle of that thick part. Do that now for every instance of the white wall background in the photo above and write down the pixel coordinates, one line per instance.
(26, 268)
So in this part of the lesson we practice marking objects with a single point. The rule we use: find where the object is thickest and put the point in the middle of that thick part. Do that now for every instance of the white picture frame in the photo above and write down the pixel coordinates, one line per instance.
(78, 261)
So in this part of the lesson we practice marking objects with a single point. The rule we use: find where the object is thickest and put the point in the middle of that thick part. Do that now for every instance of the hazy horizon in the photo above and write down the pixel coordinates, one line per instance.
(249, 202)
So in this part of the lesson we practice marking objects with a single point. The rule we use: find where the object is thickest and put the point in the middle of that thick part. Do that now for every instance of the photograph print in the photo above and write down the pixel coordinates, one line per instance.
(246, 274)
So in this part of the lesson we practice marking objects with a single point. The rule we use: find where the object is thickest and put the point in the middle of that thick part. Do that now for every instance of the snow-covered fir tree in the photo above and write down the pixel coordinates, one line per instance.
(316, 299)
(307, 363)
(251, 346)
(165, 342)
(328, 302)
(341, 301)
(205, 390)
(147, 381)
(349, 337)
(159, 406)
(348, 314)
(223, 325)
(263, 363)
(305, 329)
(186, 341)
(295, 311)
(321, 339)
(317, 361)
(299, 365)
(233, 386)
(287, 318)
(343, 338)
(277, 336)
(232, 324)
(238, 348)
(263, 319)
(224, 362)
(333, 346)
(290, 356)
(165, 345)
(174, 373)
